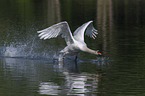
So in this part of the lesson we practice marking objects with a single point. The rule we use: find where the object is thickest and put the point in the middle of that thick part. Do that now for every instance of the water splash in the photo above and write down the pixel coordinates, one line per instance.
(30, 49)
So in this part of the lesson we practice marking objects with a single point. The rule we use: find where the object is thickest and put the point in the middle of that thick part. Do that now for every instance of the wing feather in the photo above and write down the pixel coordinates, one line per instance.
(53, 31)
(86, 28)
(91, 31)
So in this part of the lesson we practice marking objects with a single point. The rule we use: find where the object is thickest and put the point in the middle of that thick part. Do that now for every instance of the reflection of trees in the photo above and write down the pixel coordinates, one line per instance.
(54, 14)
(105, 21)
(126, 22)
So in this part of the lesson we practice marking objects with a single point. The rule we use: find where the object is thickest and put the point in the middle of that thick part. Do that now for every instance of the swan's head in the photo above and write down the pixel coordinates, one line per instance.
(98, 52)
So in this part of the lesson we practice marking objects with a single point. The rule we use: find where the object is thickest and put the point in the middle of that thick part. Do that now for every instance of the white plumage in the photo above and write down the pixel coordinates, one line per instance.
(75, 43)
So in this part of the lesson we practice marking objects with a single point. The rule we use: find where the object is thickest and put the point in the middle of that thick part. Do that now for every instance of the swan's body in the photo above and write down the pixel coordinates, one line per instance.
(75, 43)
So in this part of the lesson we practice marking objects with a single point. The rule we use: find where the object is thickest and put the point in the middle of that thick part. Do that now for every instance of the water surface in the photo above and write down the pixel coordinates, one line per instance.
(28, 66)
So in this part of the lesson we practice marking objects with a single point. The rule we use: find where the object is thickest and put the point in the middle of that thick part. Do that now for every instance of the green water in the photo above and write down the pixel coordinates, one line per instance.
(27, 67)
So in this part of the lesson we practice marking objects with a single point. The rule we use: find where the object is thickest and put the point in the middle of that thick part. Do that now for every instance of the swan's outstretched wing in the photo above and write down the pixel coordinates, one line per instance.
(86, 28)
(53, 31)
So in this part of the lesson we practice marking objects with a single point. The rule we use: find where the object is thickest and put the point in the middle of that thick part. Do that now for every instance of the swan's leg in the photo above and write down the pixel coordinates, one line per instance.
(76, 59)
(63, 53)
(61, 57)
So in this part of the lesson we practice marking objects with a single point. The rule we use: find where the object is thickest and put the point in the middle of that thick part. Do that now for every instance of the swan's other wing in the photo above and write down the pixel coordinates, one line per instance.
(91, 31)
(53, 31)
(86, 28)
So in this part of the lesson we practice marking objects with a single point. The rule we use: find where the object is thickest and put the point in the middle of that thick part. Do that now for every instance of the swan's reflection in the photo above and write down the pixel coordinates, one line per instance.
(50, 79)
(75, 83)
(48, 88)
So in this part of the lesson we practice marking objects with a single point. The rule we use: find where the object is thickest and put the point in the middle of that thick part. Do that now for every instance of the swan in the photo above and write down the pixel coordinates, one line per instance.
(75, 43)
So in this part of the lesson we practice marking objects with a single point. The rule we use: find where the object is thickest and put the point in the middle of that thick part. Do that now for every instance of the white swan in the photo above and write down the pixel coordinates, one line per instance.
(75, 43)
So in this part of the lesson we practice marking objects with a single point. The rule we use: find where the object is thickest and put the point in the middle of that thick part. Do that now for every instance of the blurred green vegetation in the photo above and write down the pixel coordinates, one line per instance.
(20, 19)
(120, 24)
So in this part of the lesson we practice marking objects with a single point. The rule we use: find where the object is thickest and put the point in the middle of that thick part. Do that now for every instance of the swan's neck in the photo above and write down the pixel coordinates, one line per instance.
(90, 51)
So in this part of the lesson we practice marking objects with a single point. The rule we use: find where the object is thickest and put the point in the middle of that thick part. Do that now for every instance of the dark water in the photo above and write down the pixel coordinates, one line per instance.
(27, 67)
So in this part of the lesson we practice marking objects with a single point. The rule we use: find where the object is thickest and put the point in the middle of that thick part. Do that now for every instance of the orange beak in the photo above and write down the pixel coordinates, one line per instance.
(99, 53)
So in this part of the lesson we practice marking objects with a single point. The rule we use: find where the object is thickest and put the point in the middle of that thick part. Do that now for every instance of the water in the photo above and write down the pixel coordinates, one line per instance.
(27, 67)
